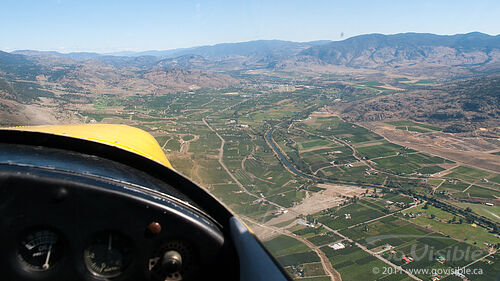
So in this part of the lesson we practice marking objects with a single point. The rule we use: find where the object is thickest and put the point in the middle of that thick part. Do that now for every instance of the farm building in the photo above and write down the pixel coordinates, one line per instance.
(337, 246)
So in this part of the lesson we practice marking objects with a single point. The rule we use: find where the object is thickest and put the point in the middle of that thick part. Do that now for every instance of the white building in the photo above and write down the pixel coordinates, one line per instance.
(337, 246)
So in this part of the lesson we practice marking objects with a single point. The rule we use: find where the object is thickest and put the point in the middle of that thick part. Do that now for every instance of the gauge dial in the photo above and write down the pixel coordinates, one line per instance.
(40, 250)
(108, 255)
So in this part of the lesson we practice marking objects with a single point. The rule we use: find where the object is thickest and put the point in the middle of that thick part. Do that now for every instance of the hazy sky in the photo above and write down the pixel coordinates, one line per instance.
(109, 25)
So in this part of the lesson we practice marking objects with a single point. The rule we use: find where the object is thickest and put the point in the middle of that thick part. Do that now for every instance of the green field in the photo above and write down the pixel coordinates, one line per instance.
(491, 212)
(285, 245)
(353, 263)
(371, 83)
(426, 81)
(476, 191)
(411, 163)
(314, 143)
(468, 233)
(335, 127)
(430, 170)
(324, 238)
(435, 182)
(413, 124)
(431, 210)
(187, 137)
(469, 174)
(387, 231)
(298, 258)
(313, 269)
(382, 150)
(336, 218)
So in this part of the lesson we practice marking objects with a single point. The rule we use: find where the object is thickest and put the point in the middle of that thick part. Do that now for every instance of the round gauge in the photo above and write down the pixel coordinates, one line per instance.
(108, 255)
(39, 250)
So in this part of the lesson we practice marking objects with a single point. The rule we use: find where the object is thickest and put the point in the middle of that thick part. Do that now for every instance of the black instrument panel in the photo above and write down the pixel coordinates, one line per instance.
(95, 219)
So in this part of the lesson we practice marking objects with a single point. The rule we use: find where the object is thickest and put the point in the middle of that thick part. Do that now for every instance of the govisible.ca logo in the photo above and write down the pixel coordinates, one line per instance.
(450, 250)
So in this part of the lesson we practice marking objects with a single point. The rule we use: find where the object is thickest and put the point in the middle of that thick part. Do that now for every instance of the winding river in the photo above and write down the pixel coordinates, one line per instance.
(282, 157)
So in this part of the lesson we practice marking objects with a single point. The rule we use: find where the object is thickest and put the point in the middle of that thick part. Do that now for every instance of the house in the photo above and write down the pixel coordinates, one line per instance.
(347, 216)
(337, 246)
(301, 222)
(407, 259)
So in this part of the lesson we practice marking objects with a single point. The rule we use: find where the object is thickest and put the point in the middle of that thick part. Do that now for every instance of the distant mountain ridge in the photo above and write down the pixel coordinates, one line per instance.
(255, 48)
(404, 50)
(373, 50)
(73, 55)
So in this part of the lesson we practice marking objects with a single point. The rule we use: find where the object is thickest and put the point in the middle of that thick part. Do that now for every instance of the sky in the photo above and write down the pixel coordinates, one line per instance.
(123, 25)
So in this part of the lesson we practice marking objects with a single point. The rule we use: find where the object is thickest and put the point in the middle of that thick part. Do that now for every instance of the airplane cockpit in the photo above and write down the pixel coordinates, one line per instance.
(77, 204)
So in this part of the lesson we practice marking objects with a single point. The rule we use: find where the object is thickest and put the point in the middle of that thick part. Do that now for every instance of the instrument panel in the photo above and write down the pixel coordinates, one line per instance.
(75, 225)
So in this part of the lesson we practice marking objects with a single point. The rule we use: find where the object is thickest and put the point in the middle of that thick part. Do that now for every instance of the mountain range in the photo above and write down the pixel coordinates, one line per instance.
(27, 75)
(369, 51)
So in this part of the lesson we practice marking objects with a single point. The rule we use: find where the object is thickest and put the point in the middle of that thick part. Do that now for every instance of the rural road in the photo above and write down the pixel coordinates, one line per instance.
(327, 267)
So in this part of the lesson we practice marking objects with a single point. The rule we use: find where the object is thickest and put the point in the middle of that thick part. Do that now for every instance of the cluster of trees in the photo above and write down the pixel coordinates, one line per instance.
(466, 214)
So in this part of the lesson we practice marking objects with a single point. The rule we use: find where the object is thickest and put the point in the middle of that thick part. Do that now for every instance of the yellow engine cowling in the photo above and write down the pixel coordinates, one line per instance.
(122, 136)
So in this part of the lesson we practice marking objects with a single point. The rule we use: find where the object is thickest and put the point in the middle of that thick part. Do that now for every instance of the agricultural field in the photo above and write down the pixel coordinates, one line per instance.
(435, 182)
(382, 149)
(218, 140)
(390, 230)
(472, 175)
(489, 266)
(324, 238)
(339, 218)
(333, 126)
(296, 257)
(396, 237)
(422, 126)
(354, 264)
(491, 212)
(284, 245)
(440, 221)
(411, 163)
(362, 210)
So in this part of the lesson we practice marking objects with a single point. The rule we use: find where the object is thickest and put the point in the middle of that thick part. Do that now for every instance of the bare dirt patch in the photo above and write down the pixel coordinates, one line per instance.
(315, 148)
(317, 201)
(471, 151)
(327, 198)
(317, 114)
(368, 144)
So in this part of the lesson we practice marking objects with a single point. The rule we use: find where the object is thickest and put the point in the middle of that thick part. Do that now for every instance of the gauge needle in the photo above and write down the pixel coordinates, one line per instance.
(109, 242)
(46, 264)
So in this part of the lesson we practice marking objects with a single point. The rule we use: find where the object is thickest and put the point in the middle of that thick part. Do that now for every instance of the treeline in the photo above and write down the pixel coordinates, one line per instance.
(466, 213)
